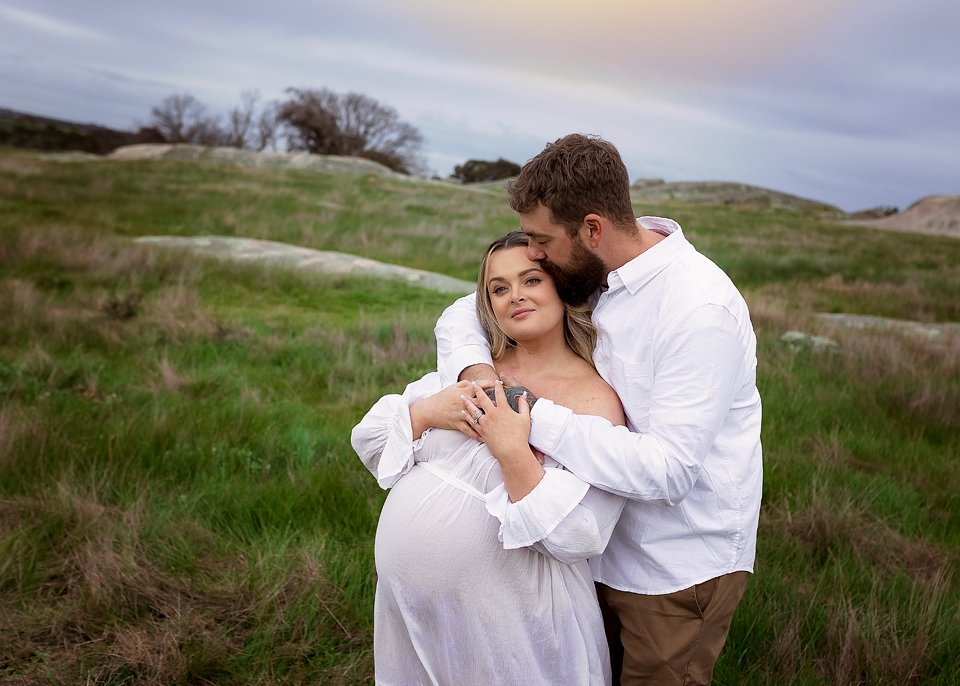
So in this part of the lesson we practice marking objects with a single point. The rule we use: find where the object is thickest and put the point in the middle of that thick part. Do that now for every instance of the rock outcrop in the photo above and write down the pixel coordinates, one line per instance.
(935, 214)
(326, 261)
(654, 191)
(333, 164)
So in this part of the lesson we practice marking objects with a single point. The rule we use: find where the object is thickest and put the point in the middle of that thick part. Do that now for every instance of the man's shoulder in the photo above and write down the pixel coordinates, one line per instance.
(696, 283)
(694, 275)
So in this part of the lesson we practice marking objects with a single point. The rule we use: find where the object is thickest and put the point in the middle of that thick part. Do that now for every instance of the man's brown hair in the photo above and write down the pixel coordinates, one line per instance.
(572, 177)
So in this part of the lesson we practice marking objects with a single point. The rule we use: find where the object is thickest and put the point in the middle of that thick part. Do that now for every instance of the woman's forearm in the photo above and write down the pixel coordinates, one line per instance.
(521, 471)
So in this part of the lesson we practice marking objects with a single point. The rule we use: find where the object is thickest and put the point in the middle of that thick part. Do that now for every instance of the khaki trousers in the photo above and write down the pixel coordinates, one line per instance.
(669, 639)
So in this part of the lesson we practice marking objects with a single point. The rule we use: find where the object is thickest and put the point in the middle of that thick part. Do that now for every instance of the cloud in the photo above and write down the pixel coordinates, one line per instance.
(828, 98)
(45, 24)
(629, 42)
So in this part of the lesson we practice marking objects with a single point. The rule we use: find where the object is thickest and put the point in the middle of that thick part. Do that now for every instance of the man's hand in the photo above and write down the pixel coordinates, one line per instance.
(444, 410)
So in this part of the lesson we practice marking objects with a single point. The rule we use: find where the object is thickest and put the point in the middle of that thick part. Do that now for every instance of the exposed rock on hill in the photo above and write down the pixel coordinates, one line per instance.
(326, 261)
(334, 164)
(935, 214)
(864, 321)
(722, 193)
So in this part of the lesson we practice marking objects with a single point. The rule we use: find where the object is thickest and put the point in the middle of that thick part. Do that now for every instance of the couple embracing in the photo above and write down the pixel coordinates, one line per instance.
(575, 492)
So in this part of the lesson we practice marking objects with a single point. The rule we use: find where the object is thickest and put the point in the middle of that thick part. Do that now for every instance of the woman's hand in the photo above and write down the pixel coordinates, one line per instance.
(505, 432)
(507, 435)
(444, 410)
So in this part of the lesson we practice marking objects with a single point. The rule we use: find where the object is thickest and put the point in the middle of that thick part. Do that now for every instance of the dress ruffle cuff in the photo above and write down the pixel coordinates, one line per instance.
(398, 452)
(535, 516)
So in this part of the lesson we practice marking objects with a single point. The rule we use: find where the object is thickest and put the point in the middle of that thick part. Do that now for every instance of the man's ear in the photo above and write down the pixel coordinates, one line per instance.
(592, 229)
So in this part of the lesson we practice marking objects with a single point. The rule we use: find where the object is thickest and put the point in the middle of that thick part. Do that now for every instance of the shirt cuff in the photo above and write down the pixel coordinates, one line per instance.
(535, 516)
(546, 425)
(461, 358)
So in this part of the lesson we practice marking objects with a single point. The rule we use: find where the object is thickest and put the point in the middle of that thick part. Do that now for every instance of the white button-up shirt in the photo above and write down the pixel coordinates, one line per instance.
(677, 345)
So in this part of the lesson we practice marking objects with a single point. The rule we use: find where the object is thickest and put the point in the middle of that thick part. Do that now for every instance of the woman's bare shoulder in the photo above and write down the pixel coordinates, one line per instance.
(592, 395)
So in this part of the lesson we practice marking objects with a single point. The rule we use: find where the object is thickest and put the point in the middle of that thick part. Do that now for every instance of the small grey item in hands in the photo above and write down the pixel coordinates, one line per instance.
(513, 394)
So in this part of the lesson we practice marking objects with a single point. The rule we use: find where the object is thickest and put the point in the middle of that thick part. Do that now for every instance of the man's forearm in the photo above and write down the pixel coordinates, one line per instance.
(461, 342)
(478, 372)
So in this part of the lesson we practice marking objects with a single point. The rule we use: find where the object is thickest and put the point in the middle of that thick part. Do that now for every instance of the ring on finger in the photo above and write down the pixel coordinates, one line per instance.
(476, 420)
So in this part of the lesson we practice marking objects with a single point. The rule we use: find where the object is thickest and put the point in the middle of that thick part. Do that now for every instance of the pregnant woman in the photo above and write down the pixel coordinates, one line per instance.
(481, 553)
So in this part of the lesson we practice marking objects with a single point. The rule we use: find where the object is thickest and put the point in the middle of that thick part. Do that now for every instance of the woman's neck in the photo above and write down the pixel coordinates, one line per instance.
(534, 357)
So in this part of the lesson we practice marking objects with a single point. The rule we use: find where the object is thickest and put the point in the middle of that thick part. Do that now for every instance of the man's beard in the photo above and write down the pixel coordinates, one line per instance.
(578, 280)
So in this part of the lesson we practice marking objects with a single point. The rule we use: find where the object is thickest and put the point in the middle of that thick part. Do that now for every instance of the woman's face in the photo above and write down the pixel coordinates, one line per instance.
(522, 295)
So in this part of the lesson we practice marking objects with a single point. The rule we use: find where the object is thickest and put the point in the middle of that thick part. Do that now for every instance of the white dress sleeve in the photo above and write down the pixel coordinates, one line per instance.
(563, 516)
(384, 438)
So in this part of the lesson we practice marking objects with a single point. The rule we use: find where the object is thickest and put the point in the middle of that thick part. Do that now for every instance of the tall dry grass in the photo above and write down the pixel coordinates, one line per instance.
(162, 515)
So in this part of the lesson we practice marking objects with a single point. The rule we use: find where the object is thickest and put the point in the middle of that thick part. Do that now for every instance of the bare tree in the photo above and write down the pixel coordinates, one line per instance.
(181, 118)
(207, 131)
(241, 120)
(268, 124)
(175, 117)
(325, 122)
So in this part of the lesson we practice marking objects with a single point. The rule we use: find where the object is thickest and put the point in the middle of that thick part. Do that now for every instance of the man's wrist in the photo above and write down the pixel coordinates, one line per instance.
(478, 372)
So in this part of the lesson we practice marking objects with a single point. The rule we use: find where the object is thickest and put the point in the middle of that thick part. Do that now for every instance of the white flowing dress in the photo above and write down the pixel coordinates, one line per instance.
(473, 589)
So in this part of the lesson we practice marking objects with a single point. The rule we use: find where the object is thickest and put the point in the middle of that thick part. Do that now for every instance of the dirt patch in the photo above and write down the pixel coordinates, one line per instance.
(20, 166)
(935, 214)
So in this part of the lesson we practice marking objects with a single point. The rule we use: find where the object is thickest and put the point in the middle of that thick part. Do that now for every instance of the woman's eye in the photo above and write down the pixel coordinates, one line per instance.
(498, 290)
(533, 281)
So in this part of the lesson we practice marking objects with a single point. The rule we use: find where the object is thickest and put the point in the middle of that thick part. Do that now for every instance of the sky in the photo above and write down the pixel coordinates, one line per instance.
(851, 102)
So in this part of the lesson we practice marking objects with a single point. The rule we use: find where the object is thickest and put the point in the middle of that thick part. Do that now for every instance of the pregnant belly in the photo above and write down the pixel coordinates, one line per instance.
(430, 531)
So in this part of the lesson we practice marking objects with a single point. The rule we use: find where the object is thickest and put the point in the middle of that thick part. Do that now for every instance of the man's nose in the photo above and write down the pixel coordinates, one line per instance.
(535, 254)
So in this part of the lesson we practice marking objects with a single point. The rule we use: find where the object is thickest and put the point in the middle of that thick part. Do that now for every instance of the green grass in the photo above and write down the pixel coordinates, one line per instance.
(179, 502)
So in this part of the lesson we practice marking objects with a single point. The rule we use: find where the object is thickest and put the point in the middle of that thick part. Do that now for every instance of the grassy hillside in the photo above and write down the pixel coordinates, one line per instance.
(179, 502)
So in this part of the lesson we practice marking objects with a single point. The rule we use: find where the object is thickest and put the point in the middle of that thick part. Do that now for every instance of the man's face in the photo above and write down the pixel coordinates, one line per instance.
(577, 272)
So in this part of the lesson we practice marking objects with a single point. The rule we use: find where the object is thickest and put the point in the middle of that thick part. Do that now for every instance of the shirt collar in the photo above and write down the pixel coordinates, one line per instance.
(638, 271)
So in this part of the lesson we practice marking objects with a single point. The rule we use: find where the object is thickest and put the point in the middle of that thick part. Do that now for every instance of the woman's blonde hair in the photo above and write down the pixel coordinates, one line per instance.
(578, 329)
